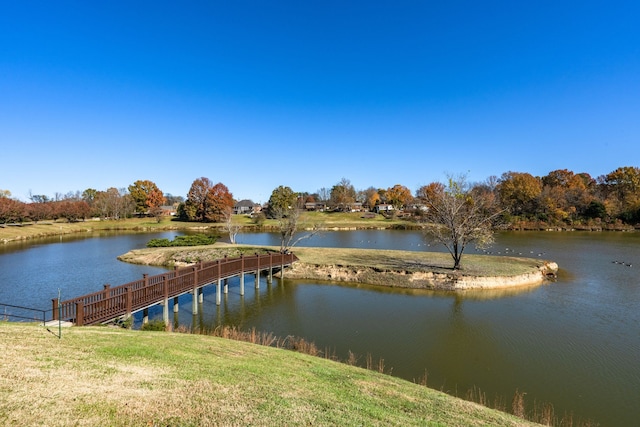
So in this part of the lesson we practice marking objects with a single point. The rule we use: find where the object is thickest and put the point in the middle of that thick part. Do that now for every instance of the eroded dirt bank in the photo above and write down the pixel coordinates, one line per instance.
(419, 279)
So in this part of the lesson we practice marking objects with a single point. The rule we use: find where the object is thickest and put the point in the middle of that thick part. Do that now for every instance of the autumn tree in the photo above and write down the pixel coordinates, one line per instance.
(621, 189)
(458, 215)
(206, 201)
(519, 192)
(11, 210)
(565, 195)
(72, 210)
(195, 207)
(369, 197)
(429, 192)
(147, 197)
(219, 202)
(38, 211)
(343, 195)
(399, 196)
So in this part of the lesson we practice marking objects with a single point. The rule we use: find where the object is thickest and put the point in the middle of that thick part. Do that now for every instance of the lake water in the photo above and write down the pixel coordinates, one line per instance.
(574, 343)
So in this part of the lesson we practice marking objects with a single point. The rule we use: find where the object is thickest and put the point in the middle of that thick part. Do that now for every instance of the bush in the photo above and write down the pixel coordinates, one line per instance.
(154, 325)
(190, 240)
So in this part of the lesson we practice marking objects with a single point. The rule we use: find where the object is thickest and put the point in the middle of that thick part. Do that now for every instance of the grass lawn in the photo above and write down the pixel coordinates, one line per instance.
(103, 376)
(10, 233)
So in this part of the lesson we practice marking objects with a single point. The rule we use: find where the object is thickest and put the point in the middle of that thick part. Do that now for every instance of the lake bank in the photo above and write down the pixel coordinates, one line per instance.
(124, 377)
(339, 221)
(390, 268)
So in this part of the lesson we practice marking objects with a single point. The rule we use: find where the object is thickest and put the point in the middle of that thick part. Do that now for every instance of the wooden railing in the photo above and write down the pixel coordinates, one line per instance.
(113, 302)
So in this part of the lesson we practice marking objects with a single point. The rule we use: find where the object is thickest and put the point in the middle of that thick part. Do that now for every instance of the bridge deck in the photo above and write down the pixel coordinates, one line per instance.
(114, 302)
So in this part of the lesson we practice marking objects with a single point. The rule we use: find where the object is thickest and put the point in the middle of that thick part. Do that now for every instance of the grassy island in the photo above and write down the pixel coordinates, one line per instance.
(405, 269)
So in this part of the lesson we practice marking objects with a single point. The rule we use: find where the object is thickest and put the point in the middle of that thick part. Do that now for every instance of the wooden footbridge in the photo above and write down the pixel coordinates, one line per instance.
(122, 301)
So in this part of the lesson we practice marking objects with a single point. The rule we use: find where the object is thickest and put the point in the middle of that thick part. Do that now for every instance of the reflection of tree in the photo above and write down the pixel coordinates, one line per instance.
(457, 305)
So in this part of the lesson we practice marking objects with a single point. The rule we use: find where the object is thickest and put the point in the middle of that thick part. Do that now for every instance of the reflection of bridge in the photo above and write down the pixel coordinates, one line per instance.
(122, 301)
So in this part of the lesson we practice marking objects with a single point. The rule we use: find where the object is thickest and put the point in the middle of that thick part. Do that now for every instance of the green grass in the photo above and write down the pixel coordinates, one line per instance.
(106, 376)
(307, 220)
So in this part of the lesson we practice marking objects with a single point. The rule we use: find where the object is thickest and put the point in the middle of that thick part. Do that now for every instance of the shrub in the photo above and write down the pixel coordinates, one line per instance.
(189, 240)
(154, 325)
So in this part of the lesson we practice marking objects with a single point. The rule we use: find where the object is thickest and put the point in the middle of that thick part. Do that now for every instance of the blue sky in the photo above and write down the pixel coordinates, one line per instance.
(257, 94)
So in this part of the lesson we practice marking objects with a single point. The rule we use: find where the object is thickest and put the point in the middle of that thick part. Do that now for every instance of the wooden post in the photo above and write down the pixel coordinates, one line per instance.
(218, 296)
(270, 275)
(55, 302)
(201, 295)
(281, 267)
(105, 296)
(129, 295)
(79, 313)
(175, 304)
(145, 316)
(145, 283)
(226, 286)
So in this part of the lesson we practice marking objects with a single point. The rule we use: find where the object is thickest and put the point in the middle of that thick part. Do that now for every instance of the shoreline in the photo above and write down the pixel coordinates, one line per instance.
(427, 280)
(21, 232)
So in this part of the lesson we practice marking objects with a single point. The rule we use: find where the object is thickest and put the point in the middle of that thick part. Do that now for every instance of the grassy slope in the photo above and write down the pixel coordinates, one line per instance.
(308, 219)
(105, 376)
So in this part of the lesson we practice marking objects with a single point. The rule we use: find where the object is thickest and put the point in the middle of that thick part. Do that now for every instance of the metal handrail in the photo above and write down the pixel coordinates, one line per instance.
(7, 316)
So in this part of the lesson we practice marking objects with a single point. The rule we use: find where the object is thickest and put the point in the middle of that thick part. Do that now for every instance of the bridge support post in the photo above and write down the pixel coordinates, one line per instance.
(175, 304)
(226, 286)
(218, 296)
(201, 295)
(165, 301)
(258, 272)
(145, 316)
(270, 275)
(194, 303)
(241, 275)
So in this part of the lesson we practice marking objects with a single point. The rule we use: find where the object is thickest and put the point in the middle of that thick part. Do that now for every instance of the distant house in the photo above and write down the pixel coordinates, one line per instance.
(383, 208)
(315, 206)
(356, 207)
(169, 210)
(244, 207)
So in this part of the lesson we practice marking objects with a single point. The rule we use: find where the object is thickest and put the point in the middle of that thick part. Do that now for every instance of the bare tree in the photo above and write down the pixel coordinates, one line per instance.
(458, 215)
(232, 228)
(288, 223)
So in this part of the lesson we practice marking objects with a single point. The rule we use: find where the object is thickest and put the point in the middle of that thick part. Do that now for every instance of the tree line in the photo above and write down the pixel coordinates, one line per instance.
(561, 197)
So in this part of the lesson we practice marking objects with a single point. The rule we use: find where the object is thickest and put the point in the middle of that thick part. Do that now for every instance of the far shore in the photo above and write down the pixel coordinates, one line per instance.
(388, 268)
(330, 221)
